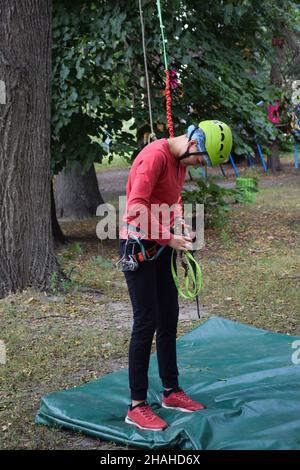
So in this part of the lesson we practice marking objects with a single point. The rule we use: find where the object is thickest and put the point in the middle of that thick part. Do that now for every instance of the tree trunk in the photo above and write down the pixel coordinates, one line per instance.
(58, 235)
(276, 79)
(77, 195)
(273, 161)
(26, 244)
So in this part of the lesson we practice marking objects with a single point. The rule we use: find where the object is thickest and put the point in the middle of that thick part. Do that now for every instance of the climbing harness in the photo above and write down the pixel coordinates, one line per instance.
(130, 260)
(192, 283)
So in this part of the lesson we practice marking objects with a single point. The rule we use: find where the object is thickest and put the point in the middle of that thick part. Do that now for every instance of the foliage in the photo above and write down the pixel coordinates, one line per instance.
(100, 262)
(90, 94)
(221, 51)
(215, 198)
(252, 172)
(248, 188)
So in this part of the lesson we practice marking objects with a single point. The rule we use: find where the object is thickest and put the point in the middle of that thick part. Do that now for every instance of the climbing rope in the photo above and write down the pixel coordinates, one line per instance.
(169, 105)
(152, 135)
(167, 72)
(162, 34)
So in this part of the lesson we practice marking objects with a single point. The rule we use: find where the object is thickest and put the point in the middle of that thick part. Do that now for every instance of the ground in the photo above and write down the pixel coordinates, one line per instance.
(54, 341)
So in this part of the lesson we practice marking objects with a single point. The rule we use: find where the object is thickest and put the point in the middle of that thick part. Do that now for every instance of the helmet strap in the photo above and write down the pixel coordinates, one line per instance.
(187, 154)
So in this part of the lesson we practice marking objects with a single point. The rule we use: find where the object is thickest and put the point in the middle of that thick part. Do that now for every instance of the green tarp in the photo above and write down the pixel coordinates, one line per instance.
(245, 376)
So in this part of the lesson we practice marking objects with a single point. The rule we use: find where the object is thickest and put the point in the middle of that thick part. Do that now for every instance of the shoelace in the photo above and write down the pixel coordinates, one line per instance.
(147, 411)
(182, 396)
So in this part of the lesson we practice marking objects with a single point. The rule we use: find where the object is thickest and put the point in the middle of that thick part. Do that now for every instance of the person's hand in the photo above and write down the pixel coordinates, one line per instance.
(181, 243)
(189, 232)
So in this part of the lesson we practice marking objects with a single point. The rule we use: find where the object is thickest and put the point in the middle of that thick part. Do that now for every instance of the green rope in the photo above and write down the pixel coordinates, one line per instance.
(162, 33)
(146, 69)
(193, 275)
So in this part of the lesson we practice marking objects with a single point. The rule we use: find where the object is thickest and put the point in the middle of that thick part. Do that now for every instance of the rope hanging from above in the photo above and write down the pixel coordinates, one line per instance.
(169, 104)
(152, 136)
(168, 89)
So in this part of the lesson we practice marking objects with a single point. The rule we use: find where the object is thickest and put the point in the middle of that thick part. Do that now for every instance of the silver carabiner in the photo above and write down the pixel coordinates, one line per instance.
(127, 262)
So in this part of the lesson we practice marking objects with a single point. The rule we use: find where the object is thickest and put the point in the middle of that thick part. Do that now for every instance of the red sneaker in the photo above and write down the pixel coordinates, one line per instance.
(143, 417)
(178, 400)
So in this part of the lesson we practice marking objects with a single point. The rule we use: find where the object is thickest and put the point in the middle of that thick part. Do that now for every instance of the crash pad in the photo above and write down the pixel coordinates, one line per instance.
(245, 376)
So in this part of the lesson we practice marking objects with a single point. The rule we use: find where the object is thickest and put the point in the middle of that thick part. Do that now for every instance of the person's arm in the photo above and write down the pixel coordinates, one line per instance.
(179, 211)
(138, 203)
(178, 215)
(179, 222)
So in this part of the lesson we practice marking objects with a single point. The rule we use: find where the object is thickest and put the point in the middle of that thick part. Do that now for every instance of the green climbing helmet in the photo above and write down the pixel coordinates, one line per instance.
(218, 140)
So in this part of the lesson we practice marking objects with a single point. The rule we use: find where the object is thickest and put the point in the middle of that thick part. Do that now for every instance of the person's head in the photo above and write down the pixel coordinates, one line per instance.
(209, 144)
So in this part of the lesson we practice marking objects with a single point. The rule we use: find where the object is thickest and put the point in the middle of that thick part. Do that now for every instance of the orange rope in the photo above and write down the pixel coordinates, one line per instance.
(168, 104)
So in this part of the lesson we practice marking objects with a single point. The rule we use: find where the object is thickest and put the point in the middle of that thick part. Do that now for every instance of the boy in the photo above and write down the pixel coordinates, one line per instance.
(157, 177)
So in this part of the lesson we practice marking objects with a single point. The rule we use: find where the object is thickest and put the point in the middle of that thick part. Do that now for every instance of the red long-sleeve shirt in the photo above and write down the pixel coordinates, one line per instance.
(154, 178)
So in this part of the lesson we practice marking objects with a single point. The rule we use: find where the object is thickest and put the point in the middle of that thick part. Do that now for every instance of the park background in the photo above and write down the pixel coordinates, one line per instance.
(74, 114)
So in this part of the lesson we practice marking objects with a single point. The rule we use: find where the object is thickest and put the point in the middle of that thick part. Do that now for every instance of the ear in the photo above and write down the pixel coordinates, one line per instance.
(192, 142)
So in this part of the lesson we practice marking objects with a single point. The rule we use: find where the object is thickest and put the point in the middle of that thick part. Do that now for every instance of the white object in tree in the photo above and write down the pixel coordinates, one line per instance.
(2, 92)
(2, 352)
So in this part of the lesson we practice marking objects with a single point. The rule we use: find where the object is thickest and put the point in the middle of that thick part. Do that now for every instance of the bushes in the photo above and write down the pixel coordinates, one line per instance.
(216, 200)
(248, 188)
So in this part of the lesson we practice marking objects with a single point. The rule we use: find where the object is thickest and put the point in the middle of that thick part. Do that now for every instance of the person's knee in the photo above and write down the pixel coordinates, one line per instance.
(143, 329)
(168, 320)
(164, 330)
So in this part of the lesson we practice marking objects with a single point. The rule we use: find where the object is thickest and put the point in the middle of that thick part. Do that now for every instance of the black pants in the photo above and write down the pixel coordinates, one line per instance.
(154, 300)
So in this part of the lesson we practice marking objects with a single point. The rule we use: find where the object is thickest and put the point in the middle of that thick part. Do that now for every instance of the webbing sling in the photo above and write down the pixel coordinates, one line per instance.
(192, 276)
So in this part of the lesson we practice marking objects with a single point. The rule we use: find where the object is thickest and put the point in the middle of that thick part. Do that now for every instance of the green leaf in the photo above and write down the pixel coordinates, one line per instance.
(80, 72)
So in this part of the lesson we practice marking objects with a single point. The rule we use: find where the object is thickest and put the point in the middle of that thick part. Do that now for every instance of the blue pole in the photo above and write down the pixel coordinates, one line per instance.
(261, 157)
(233, 165)
(296, 155)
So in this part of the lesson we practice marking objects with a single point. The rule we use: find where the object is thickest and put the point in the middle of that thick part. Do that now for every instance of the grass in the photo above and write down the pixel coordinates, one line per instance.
(252, 276)
(118, 163)
(54, 341)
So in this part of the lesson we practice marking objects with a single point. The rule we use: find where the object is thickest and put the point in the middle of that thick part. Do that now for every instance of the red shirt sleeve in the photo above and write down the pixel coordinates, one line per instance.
(148, 173)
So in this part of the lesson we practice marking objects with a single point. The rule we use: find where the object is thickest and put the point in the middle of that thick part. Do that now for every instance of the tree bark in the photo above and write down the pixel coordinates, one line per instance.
(58, 236)
(77, 195)
(293, 52)
(26, 244)
(273, 161)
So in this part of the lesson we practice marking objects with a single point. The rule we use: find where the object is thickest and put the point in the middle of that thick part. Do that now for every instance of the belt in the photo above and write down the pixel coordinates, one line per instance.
(149, 253)
(145, 254)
